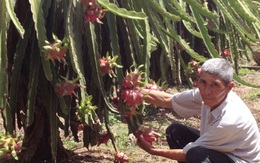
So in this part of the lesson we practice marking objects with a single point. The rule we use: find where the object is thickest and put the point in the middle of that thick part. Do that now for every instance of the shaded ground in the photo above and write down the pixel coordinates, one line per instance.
(160, 118)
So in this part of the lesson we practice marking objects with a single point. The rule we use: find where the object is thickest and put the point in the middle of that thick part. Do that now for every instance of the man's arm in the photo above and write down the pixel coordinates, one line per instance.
(174, 154)
(158, 98)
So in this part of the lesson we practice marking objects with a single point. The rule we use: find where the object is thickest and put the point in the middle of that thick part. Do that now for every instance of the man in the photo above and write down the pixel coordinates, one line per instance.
(228, 131)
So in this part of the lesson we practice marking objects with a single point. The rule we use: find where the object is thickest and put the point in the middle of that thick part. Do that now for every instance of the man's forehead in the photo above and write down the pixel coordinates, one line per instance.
(210, 77)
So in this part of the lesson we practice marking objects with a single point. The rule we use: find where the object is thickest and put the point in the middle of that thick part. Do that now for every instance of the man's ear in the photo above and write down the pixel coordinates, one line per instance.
(231, 85)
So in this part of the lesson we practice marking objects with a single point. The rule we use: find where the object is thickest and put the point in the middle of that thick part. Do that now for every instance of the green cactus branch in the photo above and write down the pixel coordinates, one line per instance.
(10, 10)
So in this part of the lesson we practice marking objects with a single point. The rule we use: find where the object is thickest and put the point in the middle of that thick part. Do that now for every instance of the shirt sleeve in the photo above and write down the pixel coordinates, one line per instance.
(187, 103)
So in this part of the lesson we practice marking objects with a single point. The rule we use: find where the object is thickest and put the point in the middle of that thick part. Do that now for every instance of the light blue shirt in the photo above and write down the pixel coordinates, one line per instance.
(230, 128)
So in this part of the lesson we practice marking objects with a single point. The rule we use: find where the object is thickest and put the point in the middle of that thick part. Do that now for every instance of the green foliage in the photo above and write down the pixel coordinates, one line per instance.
(245, 71)
(253, 96)
(10, 10)
(120, 132)
(70, 144)
(238, 79)
(4, 64)
(122, 12)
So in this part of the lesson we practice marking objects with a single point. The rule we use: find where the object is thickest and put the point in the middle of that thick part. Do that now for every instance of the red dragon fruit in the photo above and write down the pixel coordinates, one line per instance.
(56, 53)
(194, 64)
(104, 65)
(107, 64)
(198, 72)
(226, 53)
(121, 157)
(194, 70)
(93, 12)
(66, 87)
(89, 3)
(153, 87)
(132, 96)
(80, 127)
(132, 79)
(148, 134)
(56, 50)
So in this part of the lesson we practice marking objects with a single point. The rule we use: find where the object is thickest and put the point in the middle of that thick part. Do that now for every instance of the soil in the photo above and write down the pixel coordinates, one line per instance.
(105, 154)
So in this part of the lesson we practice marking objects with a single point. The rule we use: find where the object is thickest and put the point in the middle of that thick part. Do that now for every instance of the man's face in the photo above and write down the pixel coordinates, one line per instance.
(212, 89)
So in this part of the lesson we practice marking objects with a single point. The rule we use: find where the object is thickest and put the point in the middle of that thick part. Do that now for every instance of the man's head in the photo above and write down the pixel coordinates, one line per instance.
(215, 81)
(220, 67)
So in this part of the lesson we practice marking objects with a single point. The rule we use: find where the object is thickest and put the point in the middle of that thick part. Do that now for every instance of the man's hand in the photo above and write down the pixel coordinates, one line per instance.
(145, 145)
(174, 154)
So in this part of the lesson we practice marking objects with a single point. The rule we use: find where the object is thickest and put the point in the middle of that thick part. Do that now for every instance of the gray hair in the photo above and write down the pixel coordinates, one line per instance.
(220, 67)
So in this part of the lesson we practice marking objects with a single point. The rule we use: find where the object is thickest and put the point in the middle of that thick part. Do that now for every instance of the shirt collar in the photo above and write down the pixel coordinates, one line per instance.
(218, 111)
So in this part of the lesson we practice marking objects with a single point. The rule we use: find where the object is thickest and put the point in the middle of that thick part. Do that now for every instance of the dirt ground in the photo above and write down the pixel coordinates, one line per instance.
(104, 154)
(251, 97)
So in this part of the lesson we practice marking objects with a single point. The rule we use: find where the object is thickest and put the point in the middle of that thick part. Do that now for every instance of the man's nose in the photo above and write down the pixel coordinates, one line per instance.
(208, 90)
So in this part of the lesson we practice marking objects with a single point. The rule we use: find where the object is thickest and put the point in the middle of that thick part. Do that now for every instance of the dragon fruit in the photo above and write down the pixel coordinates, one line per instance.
(132, 79)
(104, 65)
(153, 87)
(148, 134)
(66, 87)
(121, 157)
(107, 64)
(194, 64)
(132, 96)
(80, 127)
(92, 11)
(194, 70)
(89, 3)
(198, 71)
(56, 51)
(226, 53)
